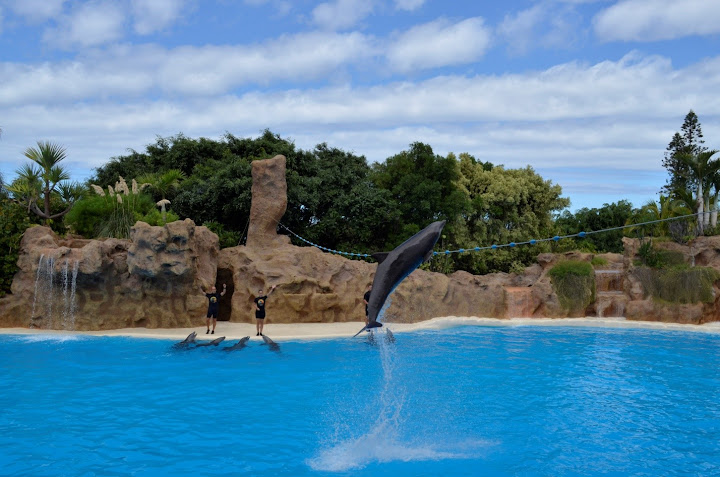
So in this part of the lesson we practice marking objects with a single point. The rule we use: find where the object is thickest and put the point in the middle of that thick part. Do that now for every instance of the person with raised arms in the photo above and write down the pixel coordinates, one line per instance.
(213, 306)
(260, 302)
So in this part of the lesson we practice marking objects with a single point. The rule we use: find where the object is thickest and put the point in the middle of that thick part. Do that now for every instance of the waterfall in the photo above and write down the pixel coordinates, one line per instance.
(55, 295)
(37, 279)
(72, 294)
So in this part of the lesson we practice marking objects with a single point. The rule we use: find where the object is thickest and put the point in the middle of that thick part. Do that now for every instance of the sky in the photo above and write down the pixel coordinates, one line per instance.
(587, 92)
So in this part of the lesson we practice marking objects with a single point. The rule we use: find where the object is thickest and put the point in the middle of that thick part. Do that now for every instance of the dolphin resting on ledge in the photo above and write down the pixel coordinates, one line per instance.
(394, 266)
(214, 342)
(239, 345)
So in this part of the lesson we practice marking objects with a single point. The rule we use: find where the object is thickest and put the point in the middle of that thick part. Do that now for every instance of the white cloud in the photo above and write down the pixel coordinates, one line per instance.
(547, 118)
(341, 14)
(408, 5)
(652, 20)
(439, 43)
(155, 15)
(128, 71)
(544, 25)
(89, 24)
(37, 10)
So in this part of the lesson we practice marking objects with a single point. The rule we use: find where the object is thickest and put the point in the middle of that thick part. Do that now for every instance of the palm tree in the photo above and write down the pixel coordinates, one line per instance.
(701, 171)
(163, 184)
(46, 178)
(666, 208)
(26, 186)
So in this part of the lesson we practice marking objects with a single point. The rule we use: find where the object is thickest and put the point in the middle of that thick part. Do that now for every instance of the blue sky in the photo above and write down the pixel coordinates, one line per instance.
(588, 93)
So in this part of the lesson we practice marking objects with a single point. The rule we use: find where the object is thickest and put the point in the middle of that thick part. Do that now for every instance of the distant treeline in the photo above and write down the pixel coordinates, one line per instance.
(338, 200)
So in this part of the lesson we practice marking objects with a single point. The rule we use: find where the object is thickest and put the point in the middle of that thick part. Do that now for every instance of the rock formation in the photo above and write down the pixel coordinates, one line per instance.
(151, 280)
(269, 202)
(155, 278)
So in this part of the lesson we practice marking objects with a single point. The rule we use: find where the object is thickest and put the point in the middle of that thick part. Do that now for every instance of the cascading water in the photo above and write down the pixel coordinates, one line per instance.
(37, 280)
(55, 295)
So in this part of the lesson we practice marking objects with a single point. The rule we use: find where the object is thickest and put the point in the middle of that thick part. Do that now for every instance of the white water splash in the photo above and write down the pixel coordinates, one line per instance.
(384, 442)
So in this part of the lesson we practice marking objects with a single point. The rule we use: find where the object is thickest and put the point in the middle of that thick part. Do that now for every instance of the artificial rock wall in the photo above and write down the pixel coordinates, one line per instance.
(155, 278)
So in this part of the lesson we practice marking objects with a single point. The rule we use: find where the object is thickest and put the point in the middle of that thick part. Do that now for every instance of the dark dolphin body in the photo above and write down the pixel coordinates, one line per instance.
(394, 266)
(214, 342)
(239, 345)
(186, 342)
(271, 344)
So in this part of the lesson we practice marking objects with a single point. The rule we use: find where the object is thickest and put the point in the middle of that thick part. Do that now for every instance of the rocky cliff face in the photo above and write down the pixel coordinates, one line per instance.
(154, 279)
(151, 280)
(700, 252)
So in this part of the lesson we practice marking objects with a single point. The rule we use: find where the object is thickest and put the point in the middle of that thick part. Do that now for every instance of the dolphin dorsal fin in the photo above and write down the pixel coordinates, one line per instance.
(380, 256)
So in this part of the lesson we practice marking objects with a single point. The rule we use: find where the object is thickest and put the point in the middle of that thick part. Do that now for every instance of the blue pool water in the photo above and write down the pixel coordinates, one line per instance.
(462, 401)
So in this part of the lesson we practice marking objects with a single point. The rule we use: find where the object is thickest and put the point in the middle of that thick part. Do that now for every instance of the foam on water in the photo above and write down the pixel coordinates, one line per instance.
(58, 338)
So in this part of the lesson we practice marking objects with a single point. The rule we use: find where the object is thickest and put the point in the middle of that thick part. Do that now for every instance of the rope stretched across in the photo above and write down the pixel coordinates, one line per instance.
(511, 244)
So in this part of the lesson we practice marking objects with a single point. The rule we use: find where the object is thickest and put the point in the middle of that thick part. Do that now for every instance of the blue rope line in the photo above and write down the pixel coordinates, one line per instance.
(349, 254)
(559, 237)
(511, 244)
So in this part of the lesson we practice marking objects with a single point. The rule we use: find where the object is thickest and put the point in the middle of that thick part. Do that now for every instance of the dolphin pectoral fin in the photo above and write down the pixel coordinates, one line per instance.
(363, 329)
(428, 256)
(380, 256)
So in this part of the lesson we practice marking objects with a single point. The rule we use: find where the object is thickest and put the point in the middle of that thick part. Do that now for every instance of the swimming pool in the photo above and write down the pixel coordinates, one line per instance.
(461, 401)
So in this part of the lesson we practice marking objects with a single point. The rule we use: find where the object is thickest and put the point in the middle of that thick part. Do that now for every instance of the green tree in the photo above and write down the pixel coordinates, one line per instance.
(701, 173)
(44, 179)
(688, 141)
(163, 184)
(506, 206)
(425, 186)
(608, 216)
(666, 208)
(14, 221)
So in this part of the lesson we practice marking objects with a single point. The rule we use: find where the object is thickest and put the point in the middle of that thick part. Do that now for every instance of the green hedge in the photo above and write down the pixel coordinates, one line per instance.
(574, 284)
(679, 284)
(14, 221)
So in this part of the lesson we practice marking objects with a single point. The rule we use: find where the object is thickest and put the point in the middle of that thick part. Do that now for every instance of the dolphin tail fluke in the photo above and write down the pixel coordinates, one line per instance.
(368, 327)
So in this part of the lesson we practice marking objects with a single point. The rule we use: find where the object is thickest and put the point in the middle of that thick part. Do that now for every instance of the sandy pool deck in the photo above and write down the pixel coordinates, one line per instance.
(314, 331)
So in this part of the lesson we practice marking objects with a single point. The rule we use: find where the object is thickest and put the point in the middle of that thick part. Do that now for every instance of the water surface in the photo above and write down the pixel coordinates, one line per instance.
(461, 401)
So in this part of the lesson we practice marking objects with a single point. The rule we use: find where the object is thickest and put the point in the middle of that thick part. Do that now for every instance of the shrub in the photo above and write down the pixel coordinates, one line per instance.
(679, 284)
(155, 217)
(657, 258)
(228, 238)
(574, 283)
(598, 261)
(105, 216)
(14, 221)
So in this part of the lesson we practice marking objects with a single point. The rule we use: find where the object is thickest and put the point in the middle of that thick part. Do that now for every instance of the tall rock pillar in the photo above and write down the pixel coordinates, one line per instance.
(269, 203)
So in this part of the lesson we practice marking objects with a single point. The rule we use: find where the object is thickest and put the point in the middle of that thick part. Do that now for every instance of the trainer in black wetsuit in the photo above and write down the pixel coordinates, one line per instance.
(260, 302)
(366, 300)
(213, 306)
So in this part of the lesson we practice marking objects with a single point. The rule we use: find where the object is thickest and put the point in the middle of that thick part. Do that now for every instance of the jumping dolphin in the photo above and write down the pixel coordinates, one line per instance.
(214, 342)
(271, 344)
(394, 266)
(239, 345)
